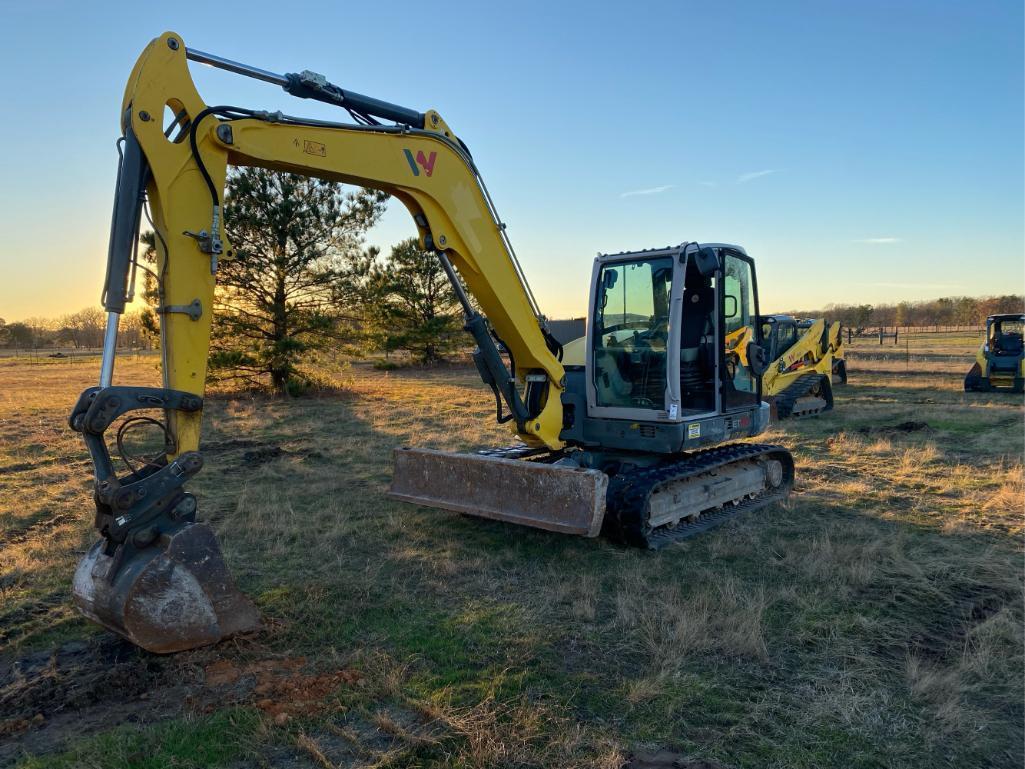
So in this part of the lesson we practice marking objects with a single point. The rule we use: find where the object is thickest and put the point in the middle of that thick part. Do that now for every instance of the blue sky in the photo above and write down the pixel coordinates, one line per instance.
(868, 151)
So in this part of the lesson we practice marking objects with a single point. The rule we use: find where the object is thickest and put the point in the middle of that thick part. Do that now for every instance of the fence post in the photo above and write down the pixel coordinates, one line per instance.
(880, 336)
(894, 336)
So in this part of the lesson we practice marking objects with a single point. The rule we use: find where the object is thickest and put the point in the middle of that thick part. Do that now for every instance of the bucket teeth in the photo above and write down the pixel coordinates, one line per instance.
(174, 595)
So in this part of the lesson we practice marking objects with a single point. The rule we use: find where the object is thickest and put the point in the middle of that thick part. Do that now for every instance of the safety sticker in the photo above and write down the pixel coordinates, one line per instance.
(694, 430)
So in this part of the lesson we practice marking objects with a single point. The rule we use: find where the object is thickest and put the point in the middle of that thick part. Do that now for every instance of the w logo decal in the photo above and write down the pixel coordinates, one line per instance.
(425, 162)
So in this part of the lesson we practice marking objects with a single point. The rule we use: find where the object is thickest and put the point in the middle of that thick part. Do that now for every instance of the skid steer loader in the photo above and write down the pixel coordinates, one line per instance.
(806, 359)
(1000, 362)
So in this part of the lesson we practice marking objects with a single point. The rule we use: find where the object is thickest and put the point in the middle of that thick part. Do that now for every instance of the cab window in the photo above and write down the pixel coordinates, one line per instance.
(740, 387)
(787, 336)
(630, 333)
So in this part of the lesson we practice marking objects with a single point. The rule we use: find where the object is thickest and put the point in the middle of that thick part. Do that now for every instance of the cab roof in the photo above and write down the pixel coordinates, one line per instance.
(670, 250)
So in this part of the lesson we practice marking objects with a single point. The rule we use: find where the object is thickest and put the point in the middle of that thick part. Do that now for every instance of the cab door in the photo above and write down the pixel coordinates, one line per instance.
(738, 300)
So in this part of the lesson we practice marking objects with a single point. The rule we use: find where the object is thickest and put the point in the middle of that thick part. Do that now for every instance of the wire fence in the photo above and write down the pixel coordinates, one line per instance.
(894, 334)
(66, 355)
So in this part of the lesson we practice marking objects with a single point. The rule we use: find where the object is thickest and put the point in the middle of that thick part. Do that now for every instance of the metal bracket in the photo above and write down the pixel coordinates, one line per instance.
(193, 310)
(208, 243)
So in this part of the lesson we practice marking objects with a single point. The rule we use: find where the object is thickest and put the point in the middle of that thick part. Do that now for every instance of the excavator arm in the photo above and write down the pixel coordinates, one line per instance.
(157, 576)
(420, 162)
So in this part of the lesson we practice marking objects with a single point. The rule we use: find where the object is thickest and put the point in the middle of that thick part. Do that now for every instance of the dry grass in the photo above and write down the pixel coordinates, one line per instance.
(874, 620)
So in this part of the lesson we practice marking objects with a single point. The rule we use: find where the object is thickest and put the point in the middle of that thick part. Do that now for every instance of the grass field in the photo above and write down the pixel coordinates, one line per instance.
(876, 620)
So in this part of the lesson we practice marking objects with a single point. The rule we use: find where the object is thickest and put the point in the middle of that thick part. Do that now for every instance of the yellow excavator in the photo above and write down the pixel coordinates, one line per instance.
(806, 358)
(631, 440)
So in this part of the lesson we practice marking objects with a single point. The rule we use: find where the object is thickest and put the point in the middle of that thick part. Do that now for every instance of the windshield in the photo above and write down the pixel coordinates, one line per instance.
(630, 333)
(1009, 327)
(1005, 336)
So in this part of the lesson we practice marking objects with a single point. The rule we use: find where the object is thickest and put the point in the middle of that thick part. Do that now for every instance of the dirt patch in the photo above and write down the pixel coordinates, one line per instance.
(281, 688)
(50, 698)
(904, 373)
(369, 739)
(36, 464)
(216, 447)
(666, 759)
(897, 429)
(21, 467)
(262, 455)
(255, 453)
(80, 688)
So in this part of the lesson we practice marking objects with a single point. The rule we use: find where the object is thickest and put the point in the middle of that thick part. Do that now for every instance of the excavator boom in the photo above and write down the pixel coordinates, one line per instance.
(157, 575)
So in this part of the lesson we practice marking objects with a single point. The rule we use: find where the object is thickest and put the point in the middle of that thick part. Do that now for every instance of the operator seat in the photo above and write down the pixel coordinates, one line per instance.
(1008, 344)
(613, 388)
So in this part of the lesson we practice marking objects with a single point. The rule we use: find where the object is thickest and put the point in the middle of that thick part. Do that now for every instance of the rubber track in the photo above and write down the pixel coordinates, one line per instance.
(626, 516)
(800, 387)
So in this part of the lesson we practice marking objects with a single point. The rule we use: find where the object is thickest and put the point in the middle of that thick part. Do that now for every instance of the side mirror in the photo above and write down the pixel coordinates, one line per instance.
(609, 278)
(757, 361)
(707, 261)
(729, 306)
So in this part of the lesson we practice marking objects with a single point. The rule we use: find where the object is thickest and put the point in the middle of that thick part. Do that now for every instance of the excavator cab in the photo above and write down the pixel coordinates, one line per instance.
(655, 372)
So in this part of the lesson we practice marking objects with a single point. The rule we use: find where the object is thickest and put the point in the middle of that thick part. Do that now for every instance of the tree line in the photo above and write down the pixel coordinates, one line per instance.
(77, 330)
(304, 280)
(947, 311)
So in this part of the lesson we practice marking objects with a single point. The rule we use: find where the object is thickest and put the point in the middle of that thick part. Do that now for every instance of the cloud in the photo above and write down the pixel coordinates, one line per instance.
(751, 175)
(708, 184)
(648, 191)
(879, 241)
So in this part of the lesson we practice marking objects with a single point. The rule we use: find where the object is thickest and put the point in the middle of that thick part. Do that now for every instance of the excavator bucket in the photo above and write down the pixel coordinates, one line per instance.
(173, 595)
(530, 493)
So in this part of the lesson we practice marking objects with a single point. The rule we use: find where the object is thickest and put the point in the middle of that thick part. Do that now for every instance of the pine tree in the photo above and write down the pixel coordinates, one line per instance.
(300, 260)
(413, 305)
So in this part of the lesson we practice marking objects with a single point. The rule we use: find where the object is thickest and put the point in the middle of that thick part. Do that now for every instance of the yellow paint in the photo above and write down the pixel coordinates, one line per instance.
(737, 342)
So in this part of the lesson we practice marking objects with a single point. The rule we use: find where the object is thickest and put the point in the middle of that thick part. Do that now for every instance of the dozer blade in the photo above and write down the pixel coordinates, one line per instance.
(563, 499)
(174, 595)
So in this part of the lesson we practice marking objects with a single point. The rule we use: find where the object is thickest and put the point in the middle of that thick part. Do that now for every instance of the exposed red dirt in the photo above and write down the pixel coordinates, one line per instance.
(281, 689)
